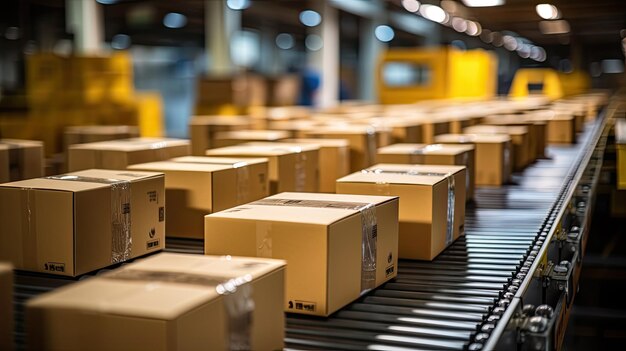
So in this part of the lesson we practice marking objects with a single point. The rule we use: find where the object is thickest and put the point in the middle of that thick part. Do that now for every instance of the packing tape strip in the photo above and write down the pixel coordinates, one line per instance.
(369, 231)
(121, 239)
(236, 291)
(29, 229)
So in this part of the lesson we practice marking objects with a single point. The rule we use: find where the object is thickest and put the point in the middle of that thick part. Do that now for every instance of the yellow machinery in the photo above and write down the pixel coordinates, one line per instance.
(548, 82)
(409, 75)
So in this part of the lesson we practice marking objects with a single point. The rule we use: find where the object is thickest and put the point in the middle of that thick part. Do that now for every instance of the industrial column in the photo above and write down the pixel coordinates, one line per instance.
(84, 19)
(221, 23)
(369, 51)
(326, 60)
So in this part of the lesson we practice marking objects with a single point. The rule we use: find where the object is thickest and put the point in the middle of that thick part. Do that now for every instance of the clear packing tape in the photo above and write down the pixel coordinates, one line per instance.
(121, 239)
(369, 232)
(451, 193)
(236, 291)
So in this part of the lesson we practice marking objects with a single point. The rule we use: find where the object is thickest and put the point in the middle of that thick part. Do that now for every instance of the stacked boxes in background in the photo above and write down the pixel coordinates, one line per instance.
(202, 130)
(20, 159)
(363, 142)
(292, 167)
(336, 246)
(434, 154)
(432, 203)
(245, 136)
(6, 306)
(166, 302)
(196, 186)
(91, 134)
(80, 222)
(493, 155)
(119, 154)
(519, 139)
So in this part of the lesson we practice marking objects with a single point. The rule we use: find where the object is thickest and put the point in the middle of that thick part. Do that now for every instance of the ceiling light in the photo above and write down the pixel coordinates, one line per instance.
(411, 5)
(433, 13)
(486, 36)
(285, 41)
(496, 39)
(238, 4)
(174, 20)
(612, 66)
(523, 50)
(120, 41)
(509, 42)
(313, 42)
(547, 11)
(473, 28)
(310, 18)
(384, 33)
(483, 3)
(554, 27)
(459, 24)
(106, 2)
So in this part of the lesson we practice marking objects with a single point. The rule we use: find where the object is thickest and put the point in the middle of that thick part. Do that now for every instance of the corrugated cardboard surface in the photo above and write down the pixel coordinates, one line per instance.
(363, 143)
(20, 159)
(244, 136)
(202, 130)
(195, 189)
(423, 203)
(177, 308)
(65, 227)
(519, 139)
(119, 154)
(290, 168)
(91, 134)
(322, 246)
(6, 306)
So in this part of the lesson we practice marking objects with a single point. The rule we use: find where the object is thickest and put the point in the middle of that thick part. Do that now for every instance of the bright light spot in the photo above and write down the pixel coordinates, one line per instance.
(496, 39)
(310, 18)
(174, 20)
(612, 66)
(523, 50)
(384, 33)
(411, 5)
(483, 3)
(285, 41)
(510, 43)
(120, 41)
(106, 2)
(473, 28)
(459, 24)
(245, 48)
(554, 27)
(486, 36)
(313, 42)
(547, 11)
(238, 4)
(535, 53)
(433, 13)
(12, 33)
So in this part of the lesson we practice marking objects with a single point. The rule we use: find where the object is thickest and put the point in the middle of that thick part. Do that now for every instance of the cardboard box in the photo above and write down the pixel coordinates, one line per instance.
(291, 168)
(237, 137)
(334, 160)
(492, 154)
(166, 302)
(202, 130)
(534, 131)
(91, 134)
(119, 154)
(20, 159)
(295, 128)
(79, 222)
(336, 246)
(363, 142)
(432, 203)
(519, 139)
(560, 127)
(433, 126)
(198, 187)
(433, 154)
(6, 307)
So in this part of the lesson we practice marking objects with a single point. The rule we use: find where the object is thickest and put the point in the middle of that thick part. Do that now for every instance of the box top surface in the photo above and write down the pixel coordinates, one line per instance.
(282, 143)
(72, 182)
(472, 138)
(162, 286)
(432, 149)
(271, 149)
(7, 143)
(101, 129)
(232, 161)
(132, 144)
(387, 173)
(220, 120)
(487, 129)
(320, 142)
(165, 166)
(346, 129)
(309, 208)
(253, 135)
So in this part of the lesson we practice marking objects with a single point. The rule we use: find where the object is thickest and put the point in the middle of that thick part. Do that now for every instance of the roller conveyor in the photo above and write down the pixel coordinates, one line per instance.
(472, 295)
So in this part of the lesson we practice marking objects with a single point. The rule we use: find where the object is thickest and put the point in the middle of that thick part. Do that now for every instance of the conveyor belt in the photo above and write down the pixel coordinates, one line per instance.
(451, 303)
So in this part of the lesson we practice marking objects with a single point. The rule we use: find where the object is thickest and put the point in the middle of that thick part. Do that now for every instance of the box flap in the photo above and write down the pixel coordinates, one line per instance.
(253, 134)
(132, 144)
(219, 160)
(320, 142)
(432, 149)
(180, 166)
(403, 174)
(472, 138)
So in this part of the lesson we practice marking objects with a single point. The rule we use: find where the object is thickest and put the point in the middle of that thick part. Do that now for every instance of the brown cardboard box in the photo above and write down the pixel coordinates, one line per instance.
(519, 139)
(334, 160)
(432, 203)
(20, 159)
(6, 306)
(79, 222)
(165, 302)
(291, 168)
(561, 127)
(202, 130)
(363, 143)
(196, 188)
(91, 134)
(493, 155)
(295, 128)
(119, 154)
(534, 131)
(237, 137)
(432, 126)
(321, 236)
(434, 154)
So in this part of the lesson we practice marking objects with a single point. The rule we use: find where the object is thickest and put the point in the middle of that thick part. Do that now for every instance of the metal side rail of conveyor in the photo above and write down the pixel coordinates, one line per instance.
(507, 284)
